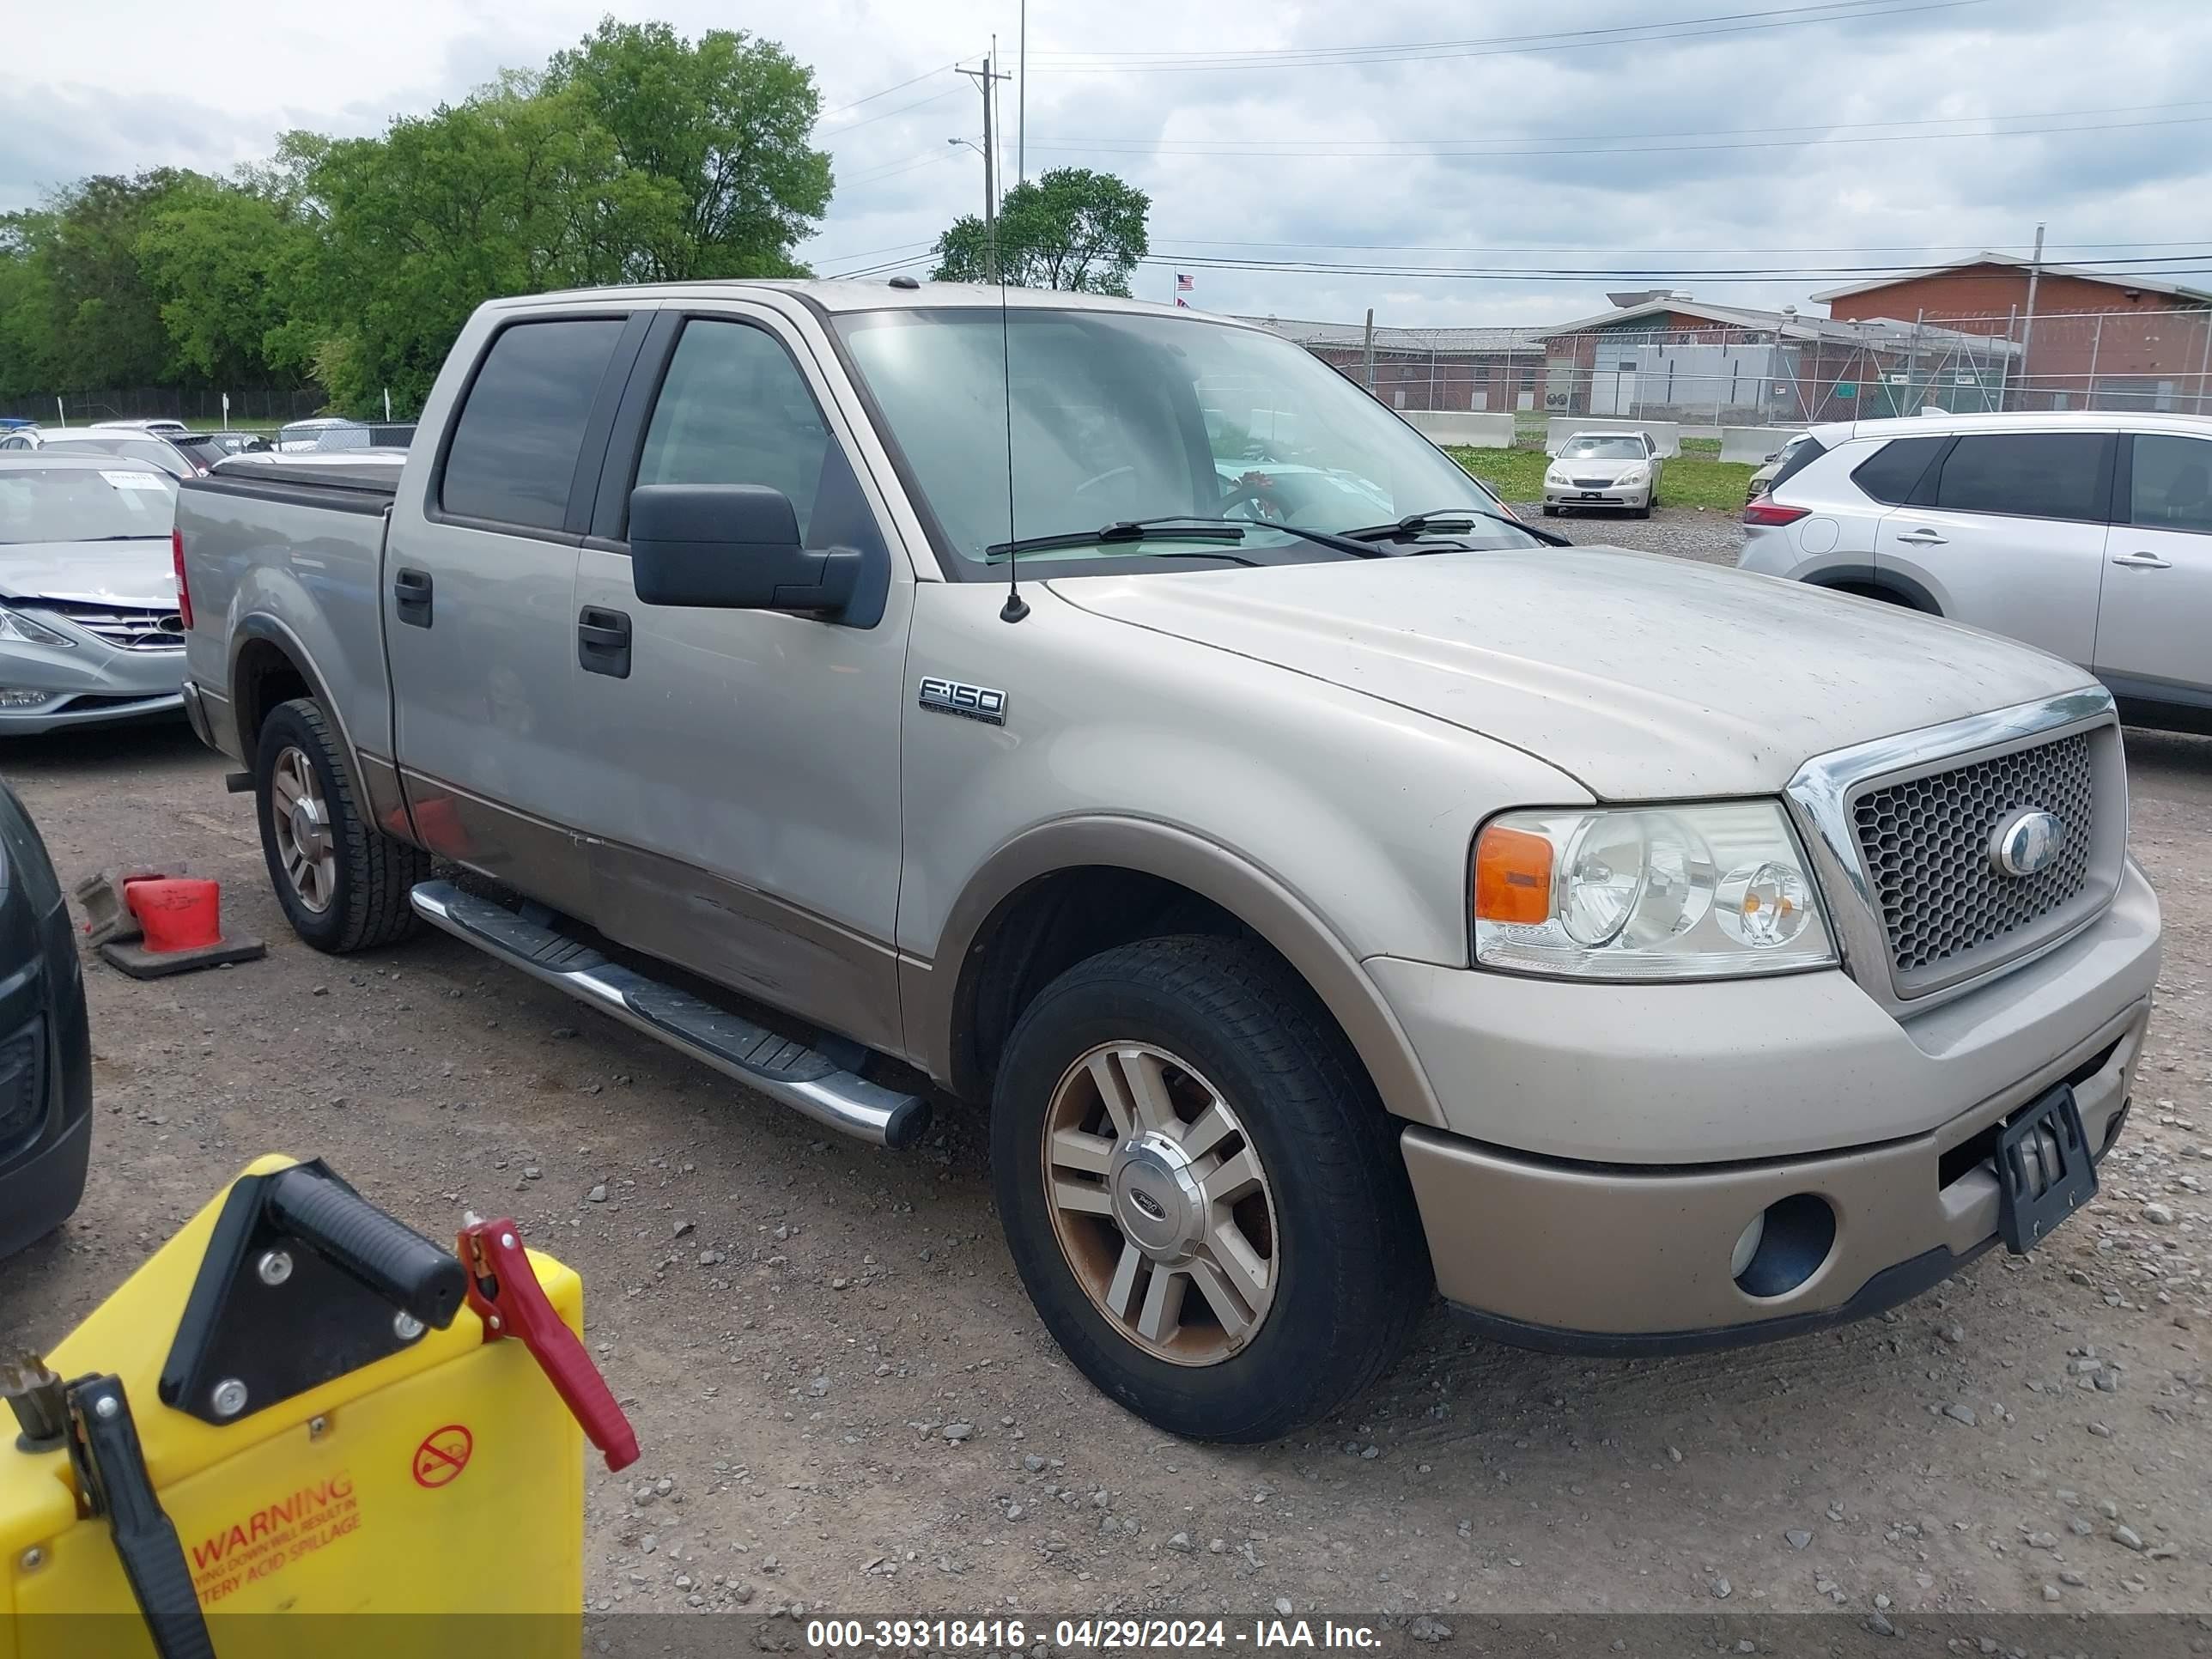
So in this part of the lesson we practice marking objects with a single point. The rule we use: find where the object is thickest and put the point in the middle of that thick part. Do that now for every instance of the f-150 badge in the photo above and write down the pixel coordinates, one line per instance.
(970, 702)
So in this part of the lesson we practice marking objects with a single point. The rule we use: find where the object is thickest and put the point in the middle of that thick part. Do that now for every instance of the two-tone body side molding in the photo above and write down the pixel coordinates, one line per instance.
(795, 1074)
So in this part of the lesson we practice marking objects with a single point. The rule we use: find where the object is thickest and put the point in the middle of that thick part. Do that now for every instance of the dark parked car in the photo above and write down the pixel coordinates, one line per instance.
(45, 1045)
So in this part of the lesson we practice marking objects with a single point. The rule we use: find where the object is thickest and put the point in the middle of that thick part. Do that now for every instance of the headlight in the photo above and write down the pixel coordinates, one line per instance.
(1555, 476)
(1651, 893)
(1634, 476)
(14, 625)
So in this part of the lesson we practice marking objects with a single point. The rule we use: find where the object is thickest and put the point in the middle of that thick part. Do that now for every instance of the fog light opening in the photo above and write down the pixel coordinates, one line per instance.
(1784, 1246)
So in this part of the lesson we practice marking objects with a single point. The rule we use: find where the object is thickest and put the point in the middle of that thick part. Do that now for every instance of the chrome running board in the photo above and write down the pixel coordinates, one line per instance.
(792, 1073)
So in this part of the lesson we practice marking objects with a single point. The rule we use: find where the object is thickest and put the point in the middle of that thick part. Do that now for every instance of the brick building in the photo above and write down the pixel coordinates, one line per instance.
(1484, 368)
(1670, 357)
(2094, 339)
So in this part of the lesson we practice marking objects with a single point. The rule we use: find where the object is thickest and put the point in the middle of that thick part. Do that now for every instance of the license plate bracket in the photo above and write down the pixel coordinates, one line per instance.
(1590, 495)
(2044, 1172)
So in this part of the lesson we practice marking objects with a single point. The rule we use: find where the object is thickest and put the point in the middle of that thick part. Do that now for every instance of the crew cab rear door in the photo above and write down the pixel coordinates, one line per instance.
(737, 771)
(479, 584)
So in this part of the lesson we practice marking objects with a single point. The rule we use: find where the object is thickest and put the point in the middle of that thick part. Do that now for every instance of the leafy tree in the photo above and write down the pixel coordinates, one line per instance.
(1068, 228)
(229, 266)
(723, 124)
(26, 341)
(637, 155)
(514, 191)
(85, 296)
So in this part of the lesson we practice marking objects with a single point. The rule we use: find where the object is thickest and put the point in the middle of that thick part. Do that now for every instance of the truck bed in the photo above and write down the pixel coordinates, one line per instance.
(299, 541)
(347, 481)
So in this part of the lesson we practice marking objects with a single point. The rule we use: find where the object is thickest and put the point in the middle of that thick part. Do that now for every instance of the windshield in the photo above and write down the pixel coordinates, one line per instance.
(1603, 449)
(1119, 416)
(83, 504)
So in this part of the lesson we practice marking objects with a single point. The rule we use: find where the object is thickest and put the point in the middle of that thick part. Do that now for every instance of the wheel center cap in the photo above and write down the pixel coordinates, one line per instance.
(1157, 1201)
(308, 831)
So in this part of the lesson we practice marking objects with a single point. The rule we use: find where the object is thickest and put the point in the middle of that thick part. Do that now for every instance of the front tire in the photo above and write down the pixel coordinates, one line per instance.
(1204, 1197)
(343, 882)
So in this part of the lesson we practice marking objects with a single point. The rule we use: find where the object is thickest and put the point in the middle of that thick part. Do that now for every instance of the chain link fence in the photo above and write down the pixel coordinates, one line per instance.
(1791, 372)
(195, 407)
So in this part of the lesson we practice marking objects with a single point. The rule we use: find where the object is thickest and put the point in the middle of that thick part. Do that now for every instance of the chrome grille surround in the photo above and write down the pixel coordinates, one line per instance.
(1896, 828)
(127, 628)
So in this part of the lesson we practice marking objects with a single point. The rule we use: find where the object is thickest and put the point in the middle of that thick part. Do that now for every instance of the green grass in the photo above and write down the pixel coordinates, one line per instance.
(1690, 479)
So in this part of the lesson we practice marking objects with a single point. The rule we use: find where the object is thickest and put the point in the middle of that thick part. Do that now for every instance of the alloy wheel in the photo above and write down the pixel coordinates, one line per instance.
(1160, 1203)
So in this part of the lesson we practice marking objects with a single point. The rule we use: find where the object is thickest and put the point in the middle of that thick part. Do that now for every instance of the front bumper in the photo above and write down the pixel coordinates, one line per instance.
(43, 1191)
(1611, 495)
(1612, 1142)
(89, 683)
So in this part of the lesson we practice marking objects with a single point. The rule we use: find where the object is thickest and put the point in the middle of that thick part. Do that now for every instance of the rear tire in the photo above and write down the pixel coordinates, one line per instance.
(1294, 1184)
(343, 882)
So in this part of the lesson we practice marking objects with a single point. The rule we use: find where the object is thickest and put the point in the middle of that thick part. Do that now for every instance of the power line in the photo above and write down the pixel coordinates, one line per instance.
(1339, 146)
(1302, 149)
(891, 169)
(1497, 45)
(831, 138)
(869, 253)
(2170, 264)
(1877, 247)
(828, 114)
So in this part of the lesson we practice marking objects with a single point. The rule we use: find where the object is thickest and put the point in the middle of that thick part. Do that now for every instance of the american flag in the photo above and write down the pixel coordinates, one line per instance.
(1183, 285)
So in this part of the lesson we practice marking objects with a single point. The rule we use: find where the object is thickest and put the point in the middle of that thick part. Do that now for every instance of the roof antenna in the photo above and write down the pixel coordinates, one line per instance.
(1016, 607)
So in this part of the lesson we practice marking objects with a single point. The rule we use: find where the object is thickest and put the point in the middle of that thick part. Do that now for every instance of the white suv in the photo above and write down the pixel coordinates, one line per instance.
(2088, 534)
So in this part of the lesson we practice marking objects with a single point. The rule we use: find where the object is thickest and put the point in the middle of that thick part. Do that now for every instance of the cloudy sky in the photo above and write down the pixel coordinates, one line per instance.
(1668, 135)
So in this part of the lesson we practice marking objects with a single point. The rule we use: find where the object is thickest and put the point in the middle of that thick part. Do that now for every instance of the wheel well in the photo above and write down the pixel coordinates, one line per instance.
(1045, 927)
(263, 677)
(1882, 591)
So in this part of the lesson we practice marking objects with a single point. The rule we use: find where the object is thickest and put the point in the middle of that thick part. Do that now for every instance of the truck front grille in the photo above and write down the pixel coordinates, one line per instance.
(1927, 849)
(132, 630)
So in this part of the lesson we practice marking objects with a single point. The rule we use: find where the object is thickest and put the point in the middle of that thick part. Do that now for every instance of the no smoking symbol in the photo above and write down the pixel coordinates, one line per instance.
(442, 1455)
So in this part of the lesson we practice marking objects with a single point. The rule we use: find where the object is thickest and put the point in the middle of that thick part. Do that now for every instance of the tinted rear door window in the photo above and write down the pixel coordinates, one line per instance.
(514, 448)
(1889, 474)
(2035, 475)
(2171, 488)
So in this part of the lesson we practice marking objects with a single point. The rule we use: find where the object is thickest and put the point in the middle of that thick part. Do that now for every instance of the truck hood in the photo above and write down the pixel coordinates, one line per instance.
(140, 573)
(1643, 677)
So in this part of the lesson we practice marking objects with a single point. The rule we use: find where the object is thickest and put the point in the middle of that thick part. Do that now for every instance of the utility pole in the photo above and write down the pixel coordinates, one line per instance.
(2028, 322)
(1022, 102)
(987, 79)
(1367, 353)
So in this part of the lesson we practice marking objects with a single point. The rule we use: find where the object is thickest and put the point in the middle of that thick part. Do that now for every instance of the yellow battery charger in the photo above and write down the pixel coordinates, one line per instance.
(324, 1419)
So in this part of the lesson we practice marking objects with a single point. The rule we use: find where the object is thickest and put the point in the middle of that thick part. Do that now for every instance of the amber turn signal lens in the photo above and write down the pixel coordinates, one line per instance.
(1512, 876)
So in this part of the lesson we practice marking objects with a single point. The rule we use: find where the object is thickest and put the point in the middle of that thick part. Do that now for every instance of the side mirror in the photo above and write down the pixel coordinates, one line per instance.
(737, 547)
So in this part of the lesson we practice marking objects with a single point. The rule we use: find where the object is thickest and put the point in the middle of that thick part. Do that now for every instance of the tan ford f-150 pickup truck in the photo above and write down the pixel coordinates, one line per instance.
(1335, 889)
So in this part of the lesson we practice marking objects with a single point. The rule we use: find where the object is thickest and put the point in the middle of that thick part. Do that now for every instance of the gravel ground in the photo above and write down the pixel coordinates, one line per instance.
(846, 1403)
(1687, 532)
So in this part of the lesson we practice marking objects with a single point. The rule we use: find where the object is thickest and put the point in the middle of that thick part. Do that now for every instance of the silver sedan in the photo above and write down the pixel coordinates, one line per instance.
(89, 628)
(1613, 470)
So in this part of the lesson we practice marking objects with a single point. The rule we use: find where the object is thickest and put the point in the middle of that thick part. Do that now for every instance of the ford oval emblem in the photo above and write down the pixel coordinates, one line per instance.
(2027, 842)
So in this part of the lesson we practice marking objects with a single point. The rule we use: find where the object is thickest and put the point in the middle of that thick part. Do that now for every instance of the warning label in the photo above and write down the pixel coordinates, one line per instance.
(273, 1536)
(442, 1455)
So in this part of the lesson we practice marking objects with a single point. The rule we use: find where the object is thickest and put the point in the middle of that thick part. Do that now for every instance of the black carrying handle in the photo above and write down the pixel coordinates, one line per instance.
(112, 1473)
(390, 1257)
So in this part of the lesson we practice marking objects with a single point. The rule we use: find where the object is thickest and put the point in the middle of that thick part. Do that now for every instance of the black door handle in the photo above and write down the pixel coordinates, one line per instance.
(411, 589)
(603, 641)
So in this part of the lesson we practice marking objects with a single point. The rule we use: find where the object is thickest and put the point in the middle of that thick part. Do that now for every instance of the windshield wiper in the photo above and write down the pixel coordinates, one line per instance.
(1174, 527)
(1443, 520)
